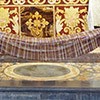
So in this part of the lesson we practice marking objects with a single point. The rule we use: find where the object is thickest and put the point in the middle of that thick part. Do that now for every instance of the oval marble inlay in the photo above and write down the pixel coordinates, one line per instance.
(42, 71)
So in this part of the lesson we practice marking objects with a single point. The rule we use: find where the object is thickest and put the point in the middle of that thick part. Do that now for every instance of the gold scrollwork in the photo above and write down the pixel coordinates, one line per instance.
(72, 31)
(54, 1)
(4, 2)
(16, 2)
(84, 1)
(4, 18)
(85, 23)
(7, 29)
(67, 30)
(36, 2)
(77, 29)
(70, 1)
(58, 1)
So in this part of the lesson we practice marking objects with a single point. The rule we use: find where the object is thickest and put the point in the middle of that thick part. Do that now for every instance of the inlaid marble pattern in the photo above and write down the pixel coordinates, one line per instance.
(84, 68)
(42, 71)
(43, 18)
(77, 71)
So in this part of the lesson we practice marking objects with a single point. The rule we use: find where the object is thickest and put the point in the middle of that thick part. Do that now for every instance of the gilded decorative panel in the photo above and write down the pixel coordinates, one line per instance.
(43, 18)
(71, 19)
(37, 21)
(41, 2)
(9, 19)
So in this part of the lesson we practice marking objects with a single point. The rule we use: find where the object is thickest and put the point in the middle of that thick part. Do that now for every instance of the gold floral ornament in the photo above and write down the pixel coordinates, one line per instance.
(75, 1)
(71, 20)
(51, 1)
(36, 24)
(59, 24)
(72, 17)
(85, 23)
(4, 18)
(70, 1)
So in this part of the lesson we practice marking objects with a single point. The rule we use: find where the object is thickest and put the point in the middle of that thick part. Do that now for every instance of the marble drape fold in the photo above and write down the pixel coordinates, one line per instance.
(50, 49)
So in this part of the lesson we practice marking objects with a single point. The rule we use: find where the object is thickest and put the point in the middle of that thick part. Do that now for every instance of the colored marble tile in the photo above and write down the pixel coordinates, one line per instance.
(42, 71)
(75, 1)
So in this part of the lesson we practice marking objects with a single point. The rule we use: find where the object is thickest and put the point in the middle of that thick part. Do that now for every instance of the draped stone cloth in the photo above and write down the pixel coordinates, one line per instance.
(50, 49)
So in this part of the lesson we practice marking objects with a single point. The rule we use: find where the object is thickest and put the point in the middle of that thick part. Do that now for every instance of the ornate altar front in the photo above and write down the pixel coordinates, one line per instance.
(43, 18)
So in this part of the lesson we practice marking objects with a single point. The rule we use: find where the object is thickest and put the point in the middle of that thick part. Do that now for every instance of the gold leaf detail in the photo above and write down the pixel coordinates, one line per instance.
(71, 17)
(4, 18)
(36, 24)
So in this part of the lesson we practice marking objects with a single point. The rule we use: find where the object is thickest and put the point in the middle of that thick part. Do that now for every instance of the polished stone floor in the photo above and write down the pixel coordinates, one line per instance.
(79, 72)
